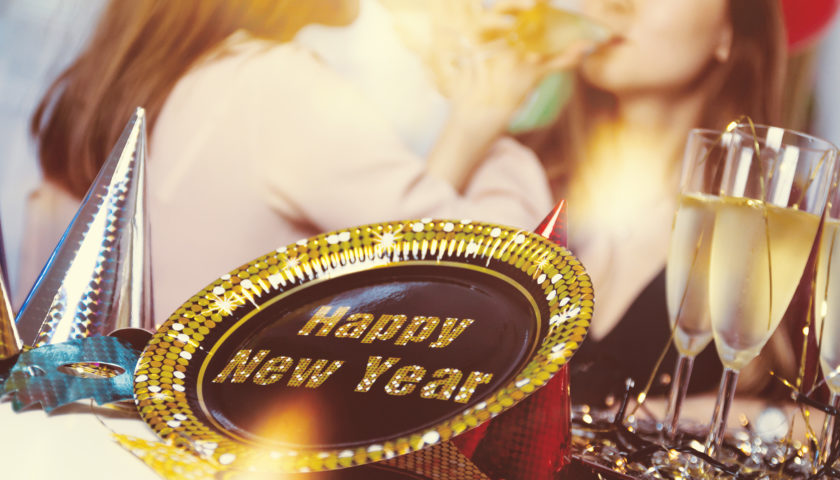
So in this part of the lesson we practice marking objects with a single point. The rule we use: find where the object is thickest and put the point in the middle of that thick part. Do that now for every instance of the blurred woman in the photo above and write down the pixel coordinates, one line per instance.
(615, 156)
(255, 142)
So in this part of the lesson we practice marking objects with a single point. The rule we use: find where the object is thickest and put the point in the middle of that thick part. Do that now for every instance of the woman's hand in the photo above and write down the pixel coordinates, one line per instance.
(488, 68)
(499, 55)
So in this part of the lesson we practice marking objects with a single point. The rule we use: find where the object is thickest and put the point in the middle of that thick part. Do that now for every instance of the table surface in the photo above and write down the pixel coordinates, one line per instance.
(74, 442)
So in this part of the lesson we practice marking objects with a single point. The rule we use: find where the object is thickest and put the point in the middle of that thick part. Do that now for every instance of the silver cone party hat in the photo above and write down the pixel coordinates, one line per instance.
(9, 339)
(4, 272)
(98, 278)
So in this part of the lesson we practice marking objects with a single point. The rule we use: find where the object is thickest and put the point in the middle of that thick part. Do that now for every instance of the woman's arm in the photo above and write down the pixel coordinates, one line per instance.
(485, 94)
(324, 157)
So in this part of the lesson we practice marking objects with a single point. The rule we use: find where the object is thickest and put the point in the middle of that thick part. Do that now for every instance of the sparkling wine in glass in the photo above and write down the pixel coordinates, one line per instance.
(687, 267)
(827, 312)
(773, 189)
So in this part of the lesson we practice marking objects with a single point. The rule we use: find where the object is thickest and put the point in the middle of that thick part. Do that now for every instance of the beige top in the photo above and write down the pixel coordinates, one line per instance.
(266, 145)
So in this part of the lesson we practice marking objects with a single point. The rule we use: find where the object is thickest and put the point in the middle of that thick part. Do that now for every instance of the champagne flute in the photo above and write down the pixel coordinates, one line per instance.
(687, 267)
(827, 313)
(773, 189)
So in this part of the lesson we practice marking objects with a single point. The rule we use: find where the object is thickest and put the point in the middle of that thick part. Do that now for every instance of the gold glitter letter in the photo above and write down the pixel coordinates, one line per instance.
(448, 334)
(374, 370)
(474, 380)
(376, 333)
(271, 371)
(442, 389)
(410, 333)
(354, 329)
(314, 374)
(242, 365)
(321, 317)
(402, 383)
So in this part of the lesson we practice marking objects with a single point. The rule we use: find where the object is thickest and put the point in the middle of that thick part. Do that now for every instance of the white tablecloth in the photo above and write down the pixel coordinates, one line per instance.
(71, 443)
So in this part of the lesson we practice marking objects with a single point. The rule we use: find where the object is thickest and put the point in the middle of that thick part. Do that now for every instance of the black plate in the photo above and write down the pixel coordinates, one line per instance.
(360, 345)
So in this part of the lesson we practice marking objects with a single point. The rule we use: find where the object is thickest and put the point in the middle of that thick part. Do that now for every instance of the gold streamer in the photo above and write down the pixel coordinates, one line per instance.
(170, 462)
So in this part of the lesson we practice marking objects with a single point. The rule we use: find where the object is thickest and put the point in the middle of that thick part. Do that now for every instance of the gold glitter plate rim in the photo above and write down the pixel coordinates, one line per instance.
(555, 277)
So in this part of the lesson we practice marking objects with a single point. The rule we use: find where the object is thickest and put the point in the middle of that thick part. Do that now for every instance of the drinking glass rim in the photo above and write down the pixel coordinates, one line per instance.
(826, 144)
(707, 133)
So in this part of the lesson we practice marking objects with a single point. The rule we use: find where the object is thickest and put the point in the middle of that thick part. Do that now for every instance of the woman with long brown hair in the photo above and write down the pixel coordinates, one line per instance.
(615, 156)
(255, 142)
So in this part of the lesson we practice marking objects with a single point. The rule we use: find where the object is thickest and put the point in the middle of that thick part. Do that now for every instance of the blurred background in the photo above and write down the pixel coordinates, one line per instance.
(40, 37)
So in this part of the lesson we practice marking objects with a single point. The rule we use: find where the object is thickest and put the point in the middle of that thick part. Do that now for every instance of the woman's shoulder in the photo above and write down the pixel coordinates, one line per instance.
(264, 59)
(280, 79)
(249, 81)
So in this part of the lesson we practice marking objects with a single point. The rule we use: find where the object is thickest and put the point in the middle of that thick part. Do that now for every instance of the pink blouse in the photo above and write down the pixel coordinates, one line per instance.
(264, 145)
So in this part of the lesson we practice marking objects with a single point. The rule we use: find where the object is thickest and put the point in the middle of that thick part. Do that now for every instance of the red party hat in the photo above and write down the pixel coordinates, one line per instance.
(531, 440)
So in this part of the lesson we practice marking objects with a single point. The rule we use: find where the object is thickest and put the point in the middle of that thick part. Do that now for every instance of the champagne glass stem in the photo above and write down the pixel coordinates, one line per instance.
(679, 386)
(721, 412)
(830, 430)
